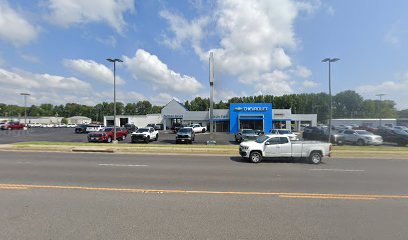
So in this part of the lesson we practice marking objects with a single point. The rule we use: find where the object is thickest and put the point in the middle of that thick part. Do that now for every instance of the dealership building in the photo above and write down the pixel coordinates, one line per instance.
(260, 116)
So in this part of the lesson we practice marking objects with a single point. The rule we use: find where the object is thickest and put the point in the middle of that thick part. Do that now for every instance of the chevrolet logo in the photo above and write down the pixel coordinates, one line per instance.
(238, 109)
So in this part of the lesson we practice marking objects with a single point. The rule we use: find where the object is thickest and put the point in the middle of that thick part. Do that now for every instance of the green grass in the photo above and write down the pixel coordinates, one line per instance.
(202, 146)
(120, 145)
(371, 148)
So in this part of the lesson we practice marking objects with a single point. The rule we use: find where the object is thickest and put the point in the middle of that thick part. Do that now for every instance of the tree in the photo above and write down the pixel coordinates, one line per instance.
(403, 113)
(143, 107)
(347, 104)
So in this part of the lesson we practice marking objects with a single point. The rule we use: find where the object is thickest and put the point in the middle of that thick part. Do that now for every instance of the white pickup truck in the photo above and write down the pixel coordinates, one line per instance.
(278, 146)
(145, 134)
(197, 128)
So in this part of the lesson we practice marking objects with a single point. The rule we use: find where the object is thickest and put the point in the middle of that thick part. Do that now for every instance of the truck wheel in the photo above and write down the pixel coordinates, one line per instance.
(109, 139)
(157, 137)
(360, 142)
(147, 139)
(315, 158)
(255, 157)
(203, 131)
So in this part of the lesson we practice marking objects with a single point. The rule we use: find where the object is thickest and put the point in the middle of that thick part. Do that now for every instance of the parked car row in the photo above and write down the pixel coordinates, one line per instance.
(11, 125)
(50, 125)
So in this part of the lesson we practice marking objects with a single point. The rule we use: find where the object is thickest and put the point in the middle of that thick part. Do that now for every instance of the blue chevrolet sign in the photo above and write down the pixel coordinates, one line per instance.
(261, 112)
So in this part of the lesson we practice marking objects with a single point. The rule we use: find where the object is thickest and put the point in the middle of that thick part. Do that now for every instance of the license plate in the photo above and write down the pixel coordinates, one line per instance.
(182, 140)
(93, 138)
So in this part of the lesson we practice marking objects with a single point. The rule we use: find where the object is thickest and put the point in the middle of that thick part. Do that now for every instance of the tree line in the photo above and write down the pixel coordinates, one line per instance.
(346, 104)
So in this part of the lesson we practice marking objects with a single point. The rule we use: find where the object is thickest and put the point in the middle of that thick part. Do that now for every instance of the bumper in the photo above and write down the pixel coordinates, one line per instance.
(183, 139)
(138, 138)
(377, 143)
(243, 153)
(97, 139)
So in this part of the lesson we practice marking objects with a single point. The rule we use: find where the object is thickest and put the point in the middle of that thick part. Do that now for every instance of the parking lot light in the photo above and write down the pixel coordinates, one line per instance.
(330, 60)
(25, 106)
(114, 96)
(380, 108)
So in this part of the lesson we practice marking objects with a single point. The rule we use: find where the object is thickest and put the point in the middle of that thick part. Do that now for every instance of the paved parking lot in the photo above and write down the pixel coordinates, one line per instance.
(69, 135)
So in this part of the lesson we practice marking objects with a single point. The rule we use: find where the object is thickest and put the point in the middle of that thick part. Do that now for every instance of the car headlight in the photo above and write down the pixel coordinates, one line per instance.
(244, 147)
(368, 138)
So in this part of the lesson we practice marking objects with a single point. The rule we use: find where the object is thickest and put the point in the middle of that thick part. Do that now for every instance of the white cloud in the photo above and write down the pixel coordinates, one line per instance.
(163, 98)
(275, 83)
(303, 72)
(148, 67)
(395, 89)
(309, 84)
(184, 30)
(254, 37)
(66, 13)
(47, 88)
(92, 69)
(43, 87)
(14, 28)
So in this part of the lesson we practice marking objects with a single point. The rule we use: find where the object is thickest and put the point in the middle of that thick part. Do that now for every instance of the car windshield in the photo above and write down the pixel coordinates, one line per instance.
(364, 132)
(185, 130)
(142, 130)
(284, 132)
(107, 129)
(249, 131)
(261, 139)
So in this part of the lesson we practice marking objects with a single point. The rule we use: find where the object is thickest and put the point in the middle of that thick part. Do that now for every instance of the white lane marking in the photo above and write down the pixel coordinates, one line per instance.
(121, 165)
(336, 170)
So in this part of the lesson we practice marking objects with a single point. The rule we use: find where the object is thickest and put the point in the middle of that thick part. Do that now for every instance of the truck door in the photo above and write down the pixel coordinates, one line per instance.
(272, 148)
(285, 147)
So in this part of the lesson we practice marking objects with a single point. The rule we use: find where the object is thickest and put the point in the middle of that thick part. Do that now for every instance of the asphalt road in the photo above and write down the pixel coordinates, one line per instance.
(69, 135)
(112, 196)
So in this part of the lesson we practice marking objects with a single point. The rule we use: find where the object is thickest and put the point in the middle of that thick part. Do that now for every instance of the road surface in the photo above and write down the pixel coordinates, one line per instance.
(112, 196)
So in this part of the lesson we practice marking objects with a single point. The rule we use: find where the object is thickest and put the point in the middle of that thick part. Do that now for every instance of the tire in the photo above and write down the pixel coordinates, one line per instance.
(109, 139)
(360, 142)
(255, 157)
(203, 131)
(315, 157)
(157, 137)
(147, 140)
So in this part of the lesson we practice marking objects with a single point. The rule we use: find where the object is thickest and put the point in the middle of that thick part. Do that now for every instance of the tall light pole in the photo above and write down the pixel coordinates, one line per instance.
(114, 96)
(330, 60)
(25, 106)
(380, 108)
(211, 62)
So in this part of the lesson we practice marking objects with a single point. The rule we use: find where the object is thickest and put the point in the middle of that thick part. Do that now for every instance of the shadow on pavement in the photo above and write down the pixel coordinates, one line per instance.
(274, 160)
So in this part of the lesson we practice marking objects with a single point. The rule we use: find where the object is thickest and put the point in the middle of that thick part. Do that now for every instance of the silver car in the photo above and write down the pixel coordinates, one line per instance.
(361, 137)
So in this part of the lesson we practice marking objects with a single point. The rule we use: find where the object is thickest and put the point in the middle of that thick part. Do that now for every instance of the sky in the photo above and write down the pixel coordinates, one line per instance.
(56, 50)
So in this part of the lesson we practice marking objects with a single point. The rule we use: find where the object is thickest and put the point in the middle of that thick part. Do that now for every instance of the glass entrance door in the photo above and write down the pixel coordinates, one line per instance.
(251, 124)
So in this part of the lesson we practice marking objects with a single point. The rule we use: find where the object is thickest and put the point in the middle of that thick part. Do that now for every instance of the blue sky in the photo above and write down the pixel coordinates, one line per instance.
(56, 49)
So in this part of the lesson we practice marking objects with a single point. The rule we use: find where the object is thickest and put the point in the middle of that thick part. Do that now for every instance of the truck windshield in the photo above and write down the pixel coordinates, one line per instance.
(261, 139)
(142, 130)
(248, 131)
(284, 132)
(184, 130)
(108, 129)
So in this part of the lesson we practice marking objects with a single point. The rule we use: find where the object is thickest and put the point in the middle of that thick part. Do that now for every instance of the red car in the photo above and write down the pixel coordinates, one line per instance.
(106, 135)
(12, 125)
